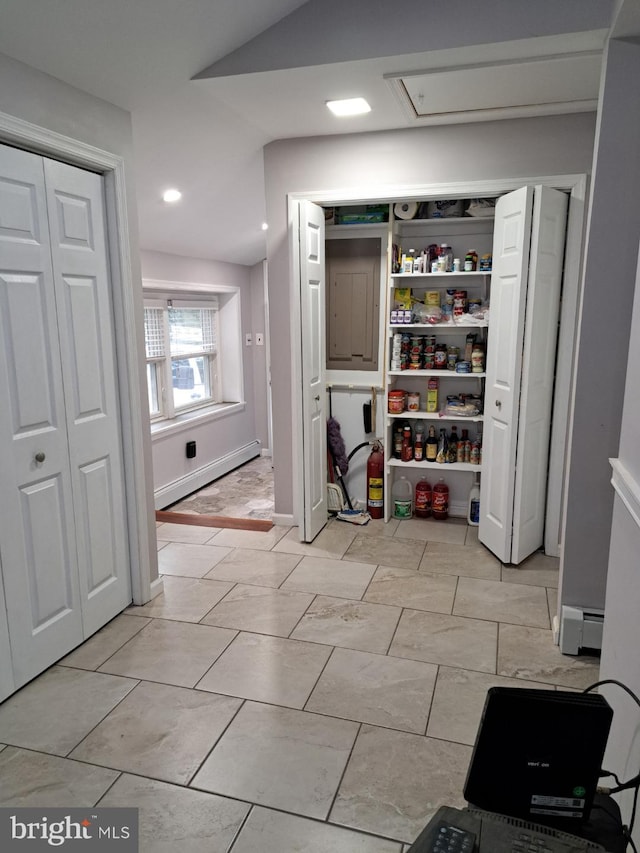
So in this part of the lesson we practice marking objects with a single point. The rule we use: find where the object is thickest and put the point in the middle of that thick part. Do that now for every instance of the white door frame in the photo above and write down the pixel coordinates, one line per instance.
(576, 185)
(129, 352)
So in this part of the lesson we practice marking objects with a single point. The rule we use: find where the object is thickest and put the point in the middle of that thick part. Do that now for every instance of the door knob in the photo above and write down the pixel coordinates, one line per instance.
(40, 457)
(499, 404)
(317, 398)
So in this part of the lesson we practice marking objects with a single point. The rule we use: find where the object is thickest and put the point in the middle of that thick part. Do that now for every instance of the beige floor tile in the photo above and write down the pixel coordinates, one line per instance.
(188, 560)
(449, 640)
(458, 702)
(106, 642)
(260, 609)
(538, 570)
(515, 603)
(184, 599)
(452, 531)
(176, 653)
(46, 781)
(410, 588)
(387, 551)
(172, 818)
(330, 577)
(376, 527)
(262, 568)
(552, 600)
(530, 653)
(440, 558)
(186, 533)
(350, 624)
(54, 712)
(269, 831)
(282, 758)
(267, 669)
(395, 781)
(331, 542)
(159, 731)
(255, 539)
(377, 689)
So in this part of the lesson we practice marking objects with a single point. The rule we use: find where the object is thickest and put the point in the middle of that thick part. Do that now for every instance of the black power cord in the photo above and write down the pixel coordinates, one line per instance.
(631, 783)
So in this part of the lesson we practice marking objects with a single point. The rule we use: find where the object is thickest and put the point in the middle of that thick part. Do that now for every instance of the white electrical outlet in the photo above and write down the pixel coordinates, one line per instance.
(259, 339)
(248, 339)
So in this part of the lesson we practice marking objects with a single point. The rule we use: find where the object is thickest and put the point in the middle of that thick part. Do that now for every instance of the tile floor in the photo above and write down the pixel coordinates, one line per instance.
(283, 697)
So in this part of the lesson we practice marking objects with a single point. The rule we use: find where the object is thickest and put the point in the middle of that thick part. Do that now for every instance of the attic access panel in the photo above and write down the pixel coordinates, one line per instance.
(540, 86)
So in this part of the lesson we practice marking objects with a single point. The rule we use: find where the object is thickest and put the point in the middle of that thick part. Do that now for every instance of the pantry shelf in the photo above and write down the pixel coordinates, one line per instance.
(461, 274)
(435, 416)
(440, 327)
(435, 466)
(444, 374)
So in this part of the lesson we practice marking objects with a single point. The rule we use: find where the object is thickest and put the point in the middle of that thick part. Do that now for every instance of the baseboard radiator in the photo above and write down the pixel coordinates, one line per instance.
(580, 629)
(183, 486)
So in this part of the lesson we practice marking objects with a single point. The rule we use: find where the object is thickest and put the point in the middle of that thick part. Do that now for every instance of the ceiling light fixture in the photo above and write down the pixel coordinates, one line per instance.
(349, 107)
(265, 225)
(171, 195)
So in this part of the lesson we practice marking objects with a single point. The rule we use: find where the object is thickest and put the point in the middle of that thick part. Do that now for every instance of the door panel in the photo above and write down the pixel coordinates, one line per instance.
(538, 369)
(314, 429)
(83, 296)
(511, 243)
(40, 570)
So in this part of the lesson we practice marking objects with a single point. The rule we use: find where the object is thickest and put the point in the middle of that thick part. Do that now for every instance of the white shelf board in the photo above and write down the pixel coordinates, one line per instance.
(447, 275)
(435, 466)
(445, 374)
(440, 327)
(435, 416)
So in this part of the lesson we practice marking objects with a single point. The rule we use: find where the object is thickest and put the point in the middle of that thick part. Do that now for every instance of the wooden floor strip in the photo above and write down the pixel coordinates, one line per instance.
(259, 524)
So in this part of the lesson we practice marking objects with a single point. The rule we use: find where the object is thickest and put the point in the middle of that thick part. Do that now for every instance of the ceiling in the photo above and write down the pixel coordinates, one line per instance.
(210, 82)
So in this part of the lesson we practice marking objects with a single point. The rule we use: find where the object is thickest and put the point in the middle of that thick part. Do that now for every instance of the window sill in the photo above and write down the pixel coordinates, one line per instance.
(199, 417)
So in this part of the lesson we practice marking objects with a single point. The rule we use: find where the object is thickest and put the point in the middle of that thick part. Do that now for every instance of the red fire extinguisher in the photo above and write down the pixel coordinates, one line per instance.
(375, 482)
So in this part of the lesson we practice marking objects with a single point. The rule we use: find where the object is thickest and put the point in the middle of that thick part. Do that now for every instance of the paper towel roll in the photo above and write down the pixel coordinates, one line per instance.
(405, 209)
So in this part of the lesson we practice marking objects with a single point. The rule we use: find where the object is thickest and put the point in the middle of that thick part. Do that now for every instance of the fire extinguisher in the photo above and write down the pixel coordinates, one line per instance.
(375, 482)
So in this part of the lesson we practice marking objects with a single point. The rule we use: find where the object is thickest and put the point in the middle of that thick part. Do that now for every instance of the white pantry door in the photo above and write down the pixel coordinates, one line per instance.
(63, 537)
(528, 251)
(87, 345)
(314, 417)
(546, 263)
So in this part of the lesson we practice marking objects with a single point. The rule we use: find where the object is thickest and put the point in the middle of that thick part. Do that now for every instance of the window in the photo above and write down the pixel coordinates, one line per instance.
(183, 361)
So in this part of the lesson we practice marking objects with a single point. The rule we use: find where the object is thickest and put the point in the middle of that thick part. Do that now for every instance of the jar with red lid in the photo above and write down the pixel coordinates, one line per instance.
(397, 401)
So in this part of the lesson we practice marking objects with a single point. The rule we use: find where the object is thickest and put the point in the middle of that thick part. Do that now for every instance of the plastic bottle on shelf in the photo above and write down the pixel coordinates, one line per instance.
(401, 496)
(475, 452)
(443, 447)
(440, 500)
(452, 450)
(461, 445)
(418, 441)
(407, 444)
(422, 505)
(473, 511)
(431, 445)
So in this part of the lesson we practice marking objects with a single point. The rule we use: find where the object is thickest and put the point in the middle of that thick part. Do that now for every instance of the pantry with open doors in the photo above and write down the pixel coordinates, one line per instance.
(472, 353)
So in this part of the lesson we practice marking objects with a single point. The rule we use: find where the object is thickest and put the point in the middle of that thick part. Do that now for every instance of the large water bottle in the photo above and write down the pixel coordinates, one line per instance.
(401, 497)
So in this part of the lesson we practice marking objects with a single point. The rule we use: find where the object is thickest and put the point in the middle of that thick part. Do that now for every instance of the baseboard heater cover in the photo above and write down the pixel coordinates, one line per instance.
(580, 629)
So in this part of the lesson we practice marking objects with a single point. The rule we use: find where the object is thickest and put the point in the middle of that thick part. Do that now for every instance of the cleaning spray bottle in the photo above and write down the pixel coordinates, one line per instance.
(473, 512)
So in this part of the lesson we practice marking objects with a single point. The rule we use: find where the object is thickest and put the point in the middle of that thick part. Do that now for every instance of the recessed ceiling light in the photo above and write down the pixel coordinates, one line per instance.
(171, 195)
(349, 107)
(265, 225)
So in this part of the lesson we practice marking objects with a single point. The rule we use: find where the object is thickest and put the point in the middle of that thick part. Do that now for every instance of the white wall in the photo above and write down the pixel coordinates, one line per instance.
(34, 97)
(605, 317)
(520, 148)
(224, 443)
(261, 389)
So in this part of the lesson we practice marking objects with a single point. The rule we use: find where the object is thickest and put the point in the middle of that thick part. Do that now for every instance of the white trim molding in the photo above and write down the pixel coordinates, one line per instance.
(627, 488)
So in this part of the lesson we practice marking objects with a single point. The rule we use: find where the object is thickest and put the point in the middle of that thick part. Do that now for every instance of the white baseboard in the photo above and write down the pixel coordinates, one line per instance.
(180, 488)
(580, 629)
(283, 519)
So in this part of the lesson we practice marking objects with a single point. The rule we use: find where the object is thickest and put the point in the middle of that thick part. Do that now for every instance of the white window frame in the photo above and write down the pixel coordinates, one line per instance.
(227, 375)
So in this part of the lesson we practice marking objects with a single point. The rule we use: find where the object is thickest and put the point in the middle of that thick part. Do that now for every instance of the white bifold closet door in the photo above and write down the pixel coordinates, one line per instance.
(63, 535)
(528, 256)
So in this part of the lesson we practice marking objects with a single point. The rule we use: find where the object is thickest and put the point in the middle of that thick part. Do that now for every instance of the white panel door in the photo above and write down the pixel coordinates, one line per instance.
(37, 532)
(87, 344)
(511, 243)
(314, 418)
(538, 369)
